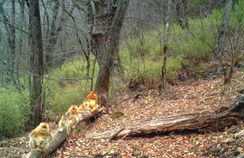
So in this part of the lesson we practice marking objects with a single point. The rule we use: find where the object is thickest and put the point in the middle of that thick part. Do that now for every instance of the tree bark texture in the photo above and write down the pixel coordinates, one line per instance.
(12, 60)
(105, 19)
(165, 49)
(12, 43)
(223, 29)
(181, 18)
(197, 122)
(36, 62)
(59, 137)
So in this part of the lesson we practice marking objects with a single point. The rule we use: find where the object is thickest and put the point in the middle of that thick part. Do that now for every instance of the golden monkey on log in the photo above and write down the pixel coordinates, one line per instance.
(92, 100)
(64, 123)
(83, 107)
(84, 110)
(72, 115)
(40, 137)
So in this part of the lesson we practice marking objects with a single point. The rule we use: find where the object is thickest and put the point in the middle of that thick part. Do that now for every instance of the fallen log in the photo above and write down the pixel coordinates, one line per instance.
(59, 137)
(224, 117)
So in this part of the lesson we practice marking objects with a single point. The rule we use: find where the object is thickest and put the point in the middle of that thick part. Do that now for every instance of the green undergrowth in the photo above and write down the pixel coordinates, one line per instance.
(67, 85)
(14, 111)
(143, 56)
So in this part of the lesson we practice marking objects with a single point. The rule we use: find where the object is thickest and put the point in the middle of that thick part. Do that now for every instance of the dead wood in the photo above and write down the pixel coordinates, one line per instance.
(239, 134)
(224, 117)
(116, 133)
(59, 137)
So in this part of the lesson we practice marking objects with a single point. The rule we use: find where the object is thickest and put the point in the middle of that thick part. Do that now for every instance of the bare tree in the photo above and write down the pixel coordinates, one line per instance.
(11, 38)
(165, 47)
(223, 29)
(53, 28)
(228, 39)
(235, 43)
(36, 61)
(105, 19)
(181, 18)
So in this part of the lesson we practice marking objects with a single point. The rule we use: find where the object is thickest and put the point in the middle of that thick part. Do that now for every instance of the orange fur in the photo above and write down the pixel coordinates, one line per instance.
(40, 137)
(92, 98)
(73, 110)
(72, 115)
(84, 106)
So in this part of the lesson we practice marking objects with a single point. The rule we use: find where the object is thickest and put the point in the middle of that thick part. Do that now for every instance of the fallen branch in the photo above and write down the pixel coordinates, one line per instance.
(200, 122)
(116, 133)
(239, 134)
(59, 137)
(234, 137)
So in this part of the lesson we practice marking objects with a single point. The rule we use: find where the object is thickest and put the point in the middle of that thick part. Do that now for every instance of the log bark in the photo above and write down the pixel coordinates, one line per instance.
(224, 117)
(59, 137)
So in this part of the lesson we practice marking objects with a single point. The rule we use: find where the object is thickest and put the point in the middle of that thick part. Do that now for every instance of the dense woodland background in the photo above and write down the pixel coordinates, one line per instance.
(54, 52)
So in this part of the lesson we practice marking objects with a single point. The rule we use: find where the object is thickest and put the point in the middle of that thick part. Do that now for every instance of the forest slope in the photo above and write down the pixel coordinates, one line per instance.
(190, 96)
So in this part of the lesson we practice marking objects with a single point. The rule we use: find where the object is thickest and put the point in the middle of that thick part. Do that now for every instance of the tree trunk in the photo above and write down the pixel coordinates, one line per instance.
(14, 69)
(197, 122)
(12, 66)
(36, 60)
(223, 29)
(103, 58)
(58, 138)
(52, 37)
(181, 18)
(22, 24)
(165, 49)
(105, 19)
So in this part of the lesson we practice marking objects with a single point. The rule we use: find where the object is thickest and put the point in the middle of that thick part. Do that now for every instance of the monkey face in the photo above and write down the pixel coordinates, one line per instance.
(44, 127)
(92, 95)
(74, 110)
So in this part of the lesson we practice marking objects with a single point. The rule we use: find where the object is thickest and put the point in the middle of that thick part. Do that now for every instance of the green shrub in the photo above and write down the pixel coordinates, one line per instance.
(150, 70)
(142, 57)
(194, 44)
(173, 67)
(67, 85)
(185, 46)
(14, 112)
(237, 15)
(63, 98)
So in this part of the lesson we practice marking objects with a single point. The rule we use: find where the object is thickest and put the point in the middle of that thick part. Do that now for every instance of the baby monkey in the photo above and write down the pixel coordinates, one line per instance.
(70, 119)
(64, 123)
(84, 109)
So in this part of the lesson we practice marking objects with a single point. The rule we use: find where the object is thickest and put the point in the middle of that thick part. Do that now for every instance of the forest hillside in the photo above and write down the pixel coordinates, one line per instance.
(124, 64)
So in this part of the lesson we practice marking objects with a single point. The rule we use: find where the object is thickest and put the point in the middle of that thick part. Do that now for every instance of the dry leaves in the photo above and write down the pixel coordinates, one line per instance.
(197, 96)
(194, 96)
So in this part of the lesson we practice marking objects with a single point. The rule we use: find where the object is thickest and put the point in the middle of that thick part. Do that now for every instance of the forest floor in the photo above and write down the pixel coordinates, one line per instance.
(137, 105)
